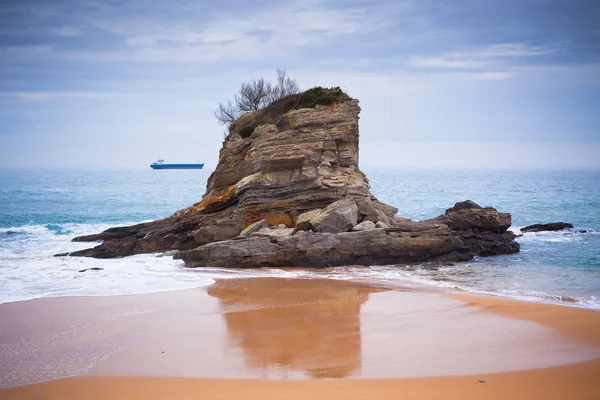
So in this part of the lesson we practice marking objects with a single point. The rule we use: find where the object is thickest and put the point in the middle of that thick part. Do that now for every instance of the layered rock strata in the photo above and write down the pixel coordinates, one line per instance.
(444, 238)
(291, 194)
(307, 160)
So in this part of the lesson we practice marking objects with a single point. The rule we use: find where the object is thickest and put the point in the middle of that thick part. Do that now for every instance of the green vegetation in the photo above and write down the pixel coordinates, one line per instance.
(272, 113)
(323, 96)
(246, 130)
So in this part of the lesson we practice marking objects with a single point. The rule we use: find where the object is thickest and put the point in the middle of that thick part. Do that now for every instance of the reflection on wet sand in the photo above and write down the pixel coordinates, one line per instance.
(306, 326)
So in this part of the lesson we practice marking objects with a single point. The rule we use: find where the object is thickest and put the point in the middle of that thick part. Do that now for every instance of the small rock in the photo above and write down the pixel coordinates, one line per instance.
(169, 253)
(553, 226)
(92, 269)
(381, 225)
(481, 381)
(567, 299)
(364, 226)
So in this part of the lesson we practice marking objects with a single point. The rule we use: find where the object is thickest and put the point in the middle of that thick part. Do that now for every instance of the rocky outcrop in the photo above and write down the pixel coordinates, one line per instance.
(304, 161)
(552, 226)
(407, 242)
(468, 216)
(290, 193)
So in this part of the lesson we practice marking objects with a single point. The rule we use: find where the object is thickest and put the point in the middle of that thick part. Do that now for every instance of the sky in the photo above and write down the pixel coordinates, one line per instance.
(441, 84)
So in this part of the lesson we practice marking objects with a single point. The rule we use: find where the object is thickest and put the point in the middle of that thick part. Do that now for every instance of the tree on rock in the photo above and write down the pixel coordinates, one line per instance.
(255, 95)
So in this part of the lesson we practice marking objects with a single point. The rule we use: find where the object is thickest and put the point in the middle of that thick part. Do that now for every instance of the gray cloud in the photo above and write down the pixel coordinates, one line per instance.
(512, 71)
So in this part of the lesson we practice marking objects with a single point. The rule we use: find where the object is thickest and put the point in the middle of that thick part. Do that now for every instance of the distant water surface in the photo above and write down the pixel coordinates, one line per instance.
(42, 210)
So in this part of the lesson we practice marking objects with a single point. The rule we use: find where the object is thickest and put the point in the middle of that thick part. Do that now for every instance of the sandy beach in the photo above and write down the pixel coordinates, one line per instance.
(295, 338)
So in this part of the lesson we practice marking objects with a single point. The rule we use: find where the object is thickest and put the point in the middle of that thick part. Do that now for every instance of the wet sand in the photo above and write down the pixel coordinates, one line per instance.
(295, 338)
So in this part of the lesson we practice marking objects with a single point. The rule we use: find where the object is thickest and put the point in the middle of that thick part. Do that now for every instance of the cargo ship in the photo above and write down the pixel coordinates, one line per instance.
(160, 164)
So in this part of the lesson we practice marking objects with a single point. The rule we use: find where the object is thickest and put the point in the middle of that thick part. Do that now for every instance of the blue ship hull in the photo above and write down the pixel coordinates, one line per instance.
(176, 166)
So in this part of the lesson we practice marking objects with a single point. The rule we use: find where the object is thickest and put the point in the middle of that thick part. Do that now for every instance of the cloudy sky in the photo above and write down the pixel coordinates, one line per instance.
(465, 83)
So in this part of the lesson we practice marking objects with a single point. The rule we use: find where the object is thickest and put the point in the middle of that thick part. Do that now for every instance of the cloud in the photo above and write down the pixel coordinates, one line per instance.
(493, 76)
(67, 31)
(255, 33)
(475, 58)
(444, 62)
(41, 96)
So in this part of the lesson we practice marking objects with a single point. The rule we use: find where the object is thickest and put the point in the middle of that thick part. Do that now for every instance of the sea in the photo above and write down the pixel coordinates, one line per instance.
(42, 210)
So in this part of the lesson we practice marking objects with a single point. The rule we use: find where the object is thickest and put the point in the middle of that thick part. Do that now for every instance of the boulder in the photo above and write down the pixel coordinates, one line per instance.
(552, 226)
(303, 222)
(340, 216)
(381, 225)
(364, 226)
(224, 229)
(372, 210)
(468, 215)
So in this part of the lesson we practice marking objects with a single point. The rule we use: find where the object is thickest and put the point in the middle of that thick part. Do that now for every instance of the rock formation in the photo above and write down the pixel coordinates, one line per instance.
(306, 160)
(444, 238)
(552, 226)
(298, 172)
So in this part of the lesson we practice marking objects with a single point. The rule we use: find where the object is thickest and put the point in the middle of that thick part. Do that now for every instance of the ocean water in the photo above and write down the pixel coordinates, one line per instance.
(42, 210)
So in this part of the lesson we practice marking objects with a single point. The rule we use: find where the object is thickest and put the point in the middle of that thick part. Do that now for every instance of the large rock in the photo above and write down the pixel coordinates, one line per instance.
(307, 160)
(468, 215)
(303, 221)
(412, 242)
(552, 226)
(223, 230)
(340, 216)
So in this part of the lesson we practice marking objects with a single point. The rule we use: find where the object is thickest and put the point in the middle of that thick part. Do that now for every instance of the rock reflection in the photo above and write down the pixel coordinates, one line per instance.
(309, 326)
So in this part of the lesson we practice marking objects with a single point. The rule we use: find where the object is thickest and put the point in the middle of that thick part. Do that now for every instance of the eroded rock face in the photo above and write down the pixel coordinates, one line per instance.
(298, 181)
(306, 161)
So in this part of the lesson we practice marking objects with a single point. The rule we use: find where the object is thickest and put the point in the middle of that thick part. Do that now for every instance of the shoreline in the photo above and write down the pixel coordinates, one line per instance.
(277, 335)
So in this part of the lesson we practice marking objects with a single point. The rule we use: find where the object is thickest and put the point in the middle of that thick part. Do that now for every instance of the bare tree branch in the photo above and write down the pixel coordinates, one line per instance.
(255, 95)
(285, 86)
(227, 113)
